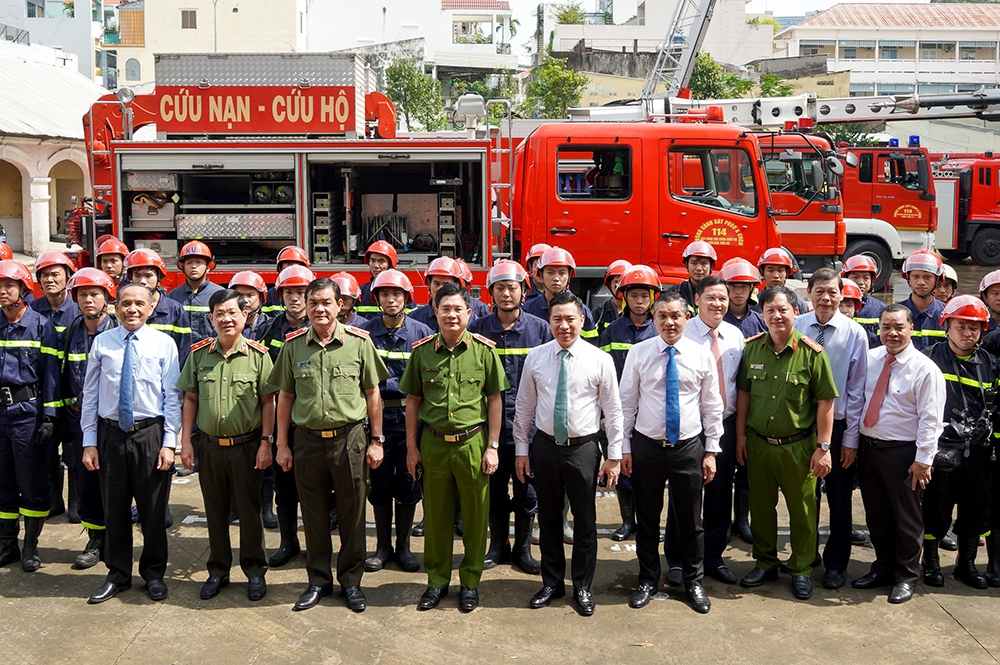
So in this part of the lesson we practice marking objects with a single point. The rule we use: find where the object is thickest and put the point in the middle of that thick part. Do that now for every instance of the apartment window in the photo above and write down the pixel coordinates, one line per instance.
(35, 10)
(189, 19)
(809, 50)
(889, 54)
(850, 54)
(967, 54)
(133, 71)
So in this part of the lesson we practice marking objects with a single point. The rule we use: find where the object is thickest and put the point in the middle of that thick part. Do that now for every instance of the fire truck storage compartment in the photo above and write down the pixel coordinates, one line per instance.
(425, 205)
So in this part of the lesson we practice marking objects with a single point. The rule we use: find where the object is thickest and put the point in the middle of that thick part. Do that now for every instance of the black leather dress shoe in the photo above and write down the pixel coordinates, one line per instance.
(721, 573)
(156, 590)
(108, 591)
(256, 588)
(699, 599)
(802, 587)
(355, 598)
(431, 598)
(758, 576)
(857, 538)
(584, 602)
(468, 599)
(545, 596)
(870, 581)
(833, 579)
(641, 596)
(212, 586)
(901, 593)
(311, 597)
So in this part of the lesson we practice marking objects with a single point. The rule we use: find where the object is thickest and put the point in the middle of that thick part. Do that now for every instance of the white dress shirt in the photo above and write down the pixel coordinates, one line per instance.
(913, 407)
(644, 393)
(731, 342)
(846, 343)
(155, 377)
(592, 387)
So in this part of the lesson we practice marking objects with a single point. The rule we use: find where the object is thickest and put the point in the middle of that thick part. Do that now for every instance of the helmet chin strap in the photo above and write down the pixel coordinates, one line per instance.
(17, 304)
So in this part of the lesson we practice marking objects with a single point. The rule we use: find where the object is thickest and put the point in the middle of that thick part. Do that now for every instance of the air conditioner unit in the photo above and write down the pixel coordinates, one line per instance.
(869, 48)
(948, 48)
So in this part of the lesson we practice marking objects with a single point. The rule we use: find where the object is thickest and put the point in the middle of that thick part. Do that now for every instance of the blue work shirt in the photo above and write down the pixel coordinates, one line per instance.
(393, 346)
(751, 324)
(622, 335)
(74, 363)
(29, 356)
(605, 315)
(425, 314)
(60, 316)
(868, 315)
(170, 318)
(356, 320)
(512, 346)
(364, 306)
(927, 328)
(272, 305)
(195, 303)
(256, 330)
(540, 307)
(273, 336)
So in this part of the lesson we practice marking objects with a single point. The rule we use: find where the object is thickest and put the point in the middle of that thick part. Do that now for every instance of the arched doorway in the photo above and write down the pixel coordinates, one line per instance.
(66, 182)
(11, 199)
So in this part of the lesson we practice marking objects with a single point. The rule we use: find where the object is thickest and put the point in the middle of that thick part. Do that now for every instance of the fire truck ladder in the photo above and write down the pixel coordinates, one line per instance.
(678, 50)
(500, 181)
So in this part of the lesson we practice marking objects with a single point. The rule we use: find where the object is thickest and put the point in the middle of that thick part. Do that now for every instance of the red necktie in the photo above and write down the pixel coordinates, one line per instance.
(718, 364)
(871, 417)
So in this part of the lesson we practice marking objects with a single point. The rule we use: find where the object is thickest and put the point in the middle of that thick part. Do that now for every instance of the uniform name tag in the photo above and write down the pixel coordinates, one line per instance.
(752, 366)
(432, 369)
(206, 368)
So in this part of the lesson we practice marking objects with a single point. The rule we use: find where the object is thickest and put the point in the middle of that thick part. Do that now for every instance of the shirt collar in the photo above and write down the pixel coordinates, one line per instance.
(793, 341)
(338, 333)
(241, 347)
(906, 354)
(572, 347)
(464, 339)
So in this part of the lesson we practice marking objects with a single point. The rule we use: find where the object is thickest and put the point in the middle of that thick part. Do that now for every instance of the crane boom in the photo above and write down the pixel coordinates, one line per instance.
(676, 57)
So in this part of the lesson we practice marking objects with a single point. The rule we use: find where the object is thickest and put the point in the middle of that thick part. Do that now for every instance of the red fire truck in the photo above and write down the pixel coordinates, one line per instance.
(968, 200)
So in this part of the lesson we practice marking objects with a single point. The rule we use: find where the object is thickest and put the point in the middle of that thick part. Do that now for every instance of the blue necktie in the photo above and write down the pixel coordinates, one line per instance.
(673, 401)
(126, 419)
(560, 412)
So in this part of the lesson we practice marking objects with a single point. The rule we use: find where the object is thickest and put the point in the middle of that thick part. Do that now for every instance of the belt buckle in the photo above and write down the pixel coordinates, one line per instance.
(6, 398)
(665, 443)
(226, 442)
(326, 434)
(452, 438)
(773, 440)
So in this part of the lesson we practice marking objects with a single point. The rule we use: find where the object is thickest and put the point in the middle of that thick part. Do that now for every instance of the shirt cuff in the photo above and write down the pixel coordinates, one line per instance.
(626, 446)
(614, 451)
(850, 440)
(521, 449)
(169, 440)
(712, 444)
(925, 457)
(90, 439)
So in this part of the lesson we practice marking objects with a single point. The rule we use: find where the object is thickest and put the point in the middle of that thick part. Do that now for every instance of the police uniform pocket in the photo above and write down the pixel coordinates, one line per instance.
(244, 386)
(346, 379)
(797, 388)
(758, 381)
(305, 380)
(470, 385)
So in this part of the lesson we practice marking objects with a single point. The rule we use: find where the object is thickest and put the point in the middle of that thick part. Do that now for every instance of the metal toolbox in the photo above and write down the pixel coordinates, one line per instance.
(150, 180)
(241, 226)
(167, 249)
(164, 213)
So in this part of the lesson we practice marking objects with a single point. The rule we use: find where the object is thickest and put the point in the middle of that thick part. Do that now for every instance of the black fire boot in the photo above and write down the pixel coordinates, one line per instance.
(383, 539)
(965, 565)
(56, 479)
(267, 505)
(993, 552)
(30, 562)
(521, 554)
(741, 508)
(627, 509)
(73, 507)
(499, 550)
(404, 523)
(9, 551)
(93, 552)
(932, 564)
(288, 526)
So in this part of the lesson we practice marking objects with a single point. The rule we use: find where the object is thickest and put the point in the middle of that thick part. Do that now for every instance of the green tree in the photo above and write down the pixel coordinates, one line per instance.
(554, 88)
(570, 12)
(416, 95)
(852, 133)
(773, 86)
(708, 80)
(69, 9)
(499, 85)
(766, 20)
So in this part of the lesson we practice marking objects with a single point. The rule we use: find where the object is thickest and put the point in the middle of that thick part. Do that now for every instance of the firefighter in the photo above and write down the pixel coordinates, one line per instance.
(350, 295)
(850, 306)
(290, 289)
(52, 272)
(699, 259)
(288, 256)
(441, 270)
(612, 308)
(93, 291)
(862, 271)
(111, 255)
(531, 265)
(556, 267)
(195, 262)
(740, 277)
(6, 253)
(29, 369)
(776, 266)
(479, 308)
(638, 288)
(393, 334)
(379, 256)
(946, 290)
(514, 332)
(923, 271)
(963, 469)
(253, 289)
(989, 292)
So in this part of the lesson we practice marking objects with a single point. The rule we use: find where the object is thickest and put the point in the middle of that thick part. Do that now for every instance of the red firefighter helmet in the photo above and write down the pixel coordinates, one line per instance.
(294, 275)
(6, 253)
(111, 246)
(16, 271)
(557, 256)
(505, 270)
(249, 278)
(966, 307)
(348, 285)
(465, 271)
(443, 266)
(392, 279)
(383, 248)
(991, 279)
(639, 275)
(103, 239)
(859, 263)
(926, 260)
(85, 277)
(146, 258)
(852, 291)
(48, 259)
(776, 256)
(616, 269)
(536, 252)
(293, 254)
(700, 248)
(739, 270)
(196, 248)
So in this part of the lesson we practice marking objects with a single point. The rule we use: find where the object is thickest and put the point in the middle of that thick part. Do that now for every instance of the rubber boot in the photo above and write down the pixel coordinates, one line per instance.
(93, 552)
(30, 562)
(499, 550)
(288, 526)
(626, 507)
(567, 528)
(73, 507)
(965, 564)
(383, 539)
(168, 518)
(741, 508)
(267, 505)
(521, 554)
(932, 564)
(404, 524)
(9, 551)
(56, 479)
(993, 552)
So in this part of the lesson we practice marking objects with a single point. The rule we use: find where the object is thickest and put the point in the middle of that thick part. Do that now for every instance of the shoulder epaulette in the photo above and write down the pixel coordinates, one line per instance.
(202, 344)
(254, 344)
(296, 333)
(812, 344)
(485, 340)
(423, 341)
(360, 332)
(757, 336)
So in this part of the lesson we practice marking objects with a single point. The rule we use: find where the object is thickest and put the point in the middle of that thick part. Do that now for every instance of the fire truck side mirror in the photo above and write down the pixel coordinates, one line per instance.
(817, 175)
(852, 160)
(835, 166)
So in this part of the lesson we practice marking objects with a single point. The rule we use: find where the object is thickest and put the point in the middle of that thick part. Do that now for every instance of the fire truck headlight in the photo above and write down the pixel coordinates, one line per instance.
(470, 109)
(125, 95)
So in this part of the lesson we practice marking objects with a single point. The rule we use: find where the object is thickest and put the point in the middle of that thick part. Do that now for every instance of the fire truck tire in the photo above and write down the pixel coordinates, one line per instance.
(985, 247)
(878, 253)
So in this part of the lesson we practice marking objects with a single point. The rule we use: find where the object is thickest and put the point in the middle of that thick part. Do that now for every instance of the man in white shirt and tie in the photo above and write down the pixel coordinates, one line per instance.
(672, 416)
(902, 422)
(566, 385)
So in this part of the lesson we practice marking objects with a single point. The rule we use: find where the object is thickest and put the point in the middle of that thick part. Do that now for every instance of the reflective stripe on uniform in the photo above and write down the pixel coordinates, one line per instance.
(60, 329)
(93, 527)
(76, 357)
(194, 308)
(617, 346)
(968, 382)
(34, 513)
(393, 355)
(866, 322)
(166, 327)
(271, 309)
(277, 343)
(928, 333)
(30, 344)
(366, 308)
(9, 516)
(56, 404)
(589, 333)
(512, 352)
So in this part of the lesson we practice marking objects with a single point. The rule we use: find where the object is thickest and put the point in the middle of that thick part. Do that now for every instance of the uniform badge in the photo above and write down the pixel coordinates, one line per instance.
(432, 369)
(304, 363)
(752, 366)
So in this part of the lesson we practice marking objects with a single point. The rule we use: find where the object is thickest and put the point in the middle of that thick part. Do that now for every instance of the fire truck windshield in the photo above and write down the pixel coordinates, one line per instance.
(791, 177)
(714, 177)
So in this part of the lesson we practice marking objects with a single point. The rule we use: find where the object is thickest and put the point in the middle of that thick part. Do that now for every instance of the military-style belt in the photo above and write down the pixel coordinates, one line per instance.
(666, 443)
(235, 440)
(885, 443)
(390, 403)
(14, 394)
(571, 441)
(455, 437)
(784, 440)
(139, 424)
(333, 433)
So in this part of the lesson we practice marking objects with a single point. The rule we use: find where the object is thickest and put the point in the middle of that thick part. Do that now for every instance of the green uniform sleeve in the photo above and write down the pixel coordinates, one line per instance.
(823, 385)
(411, 383)
(281, 374)
(373, 370)
(188, 380)
(264, 386)
(496, 376)
(742, 379)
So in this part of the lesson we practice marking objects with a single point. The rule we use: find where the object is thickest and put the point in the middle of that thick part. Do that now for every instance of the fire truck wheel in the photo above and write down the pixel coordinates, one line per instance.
(985, 247)
(878, 253)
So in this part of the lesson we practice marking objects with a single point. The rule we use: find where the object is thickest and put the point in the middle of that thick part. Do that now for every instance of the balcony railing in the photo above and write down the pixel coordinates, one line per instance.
(111, 38)
(9, 33)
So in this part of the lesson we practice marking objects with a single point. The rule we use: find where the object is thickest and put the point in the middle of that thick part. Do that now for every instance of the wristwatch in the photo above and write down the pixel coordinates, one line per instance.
(824, 446)
(378, 439)
(269, 438)
(494, 444)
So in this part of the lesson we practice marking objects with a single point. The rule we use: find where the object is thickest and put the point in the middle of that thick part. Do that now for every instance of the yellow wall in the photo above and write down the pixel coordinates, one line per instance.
(10, 191)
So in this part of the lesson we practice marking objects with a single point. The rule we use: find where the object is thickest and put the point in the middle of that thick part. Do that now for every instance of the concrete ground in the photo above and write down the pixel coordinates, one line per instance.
(45, 618)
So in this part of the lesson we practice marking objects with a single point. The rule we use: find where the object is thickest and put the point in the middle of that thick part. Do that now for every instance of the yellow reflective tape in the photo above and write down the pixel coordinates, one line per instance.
(928, 333)
(928, 536)
(48, 350)
(393, 355)
(76, 357)
(277, 343)
(166, 327)
(196, 308)
(968, 382)
(55, 405)
(34, 513)
(866, 321)
(617, 346)
(9, 516)
(366, 308)
(20, 343)
(512, 352)
(60, 329)
(271, 309)
(92, 527)
(589, 333)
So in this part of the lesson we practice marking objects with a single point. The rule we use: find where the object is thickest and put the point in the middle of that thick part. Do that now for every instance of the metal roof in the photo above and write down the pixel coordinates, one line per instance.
(496, 5)
(44, 100)
(892, 15)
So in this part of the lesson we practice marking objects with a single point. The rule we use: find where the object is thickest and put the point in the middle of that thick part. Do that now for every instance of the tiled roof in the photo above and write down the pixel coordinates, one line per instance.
(495, 5)
(893, 15)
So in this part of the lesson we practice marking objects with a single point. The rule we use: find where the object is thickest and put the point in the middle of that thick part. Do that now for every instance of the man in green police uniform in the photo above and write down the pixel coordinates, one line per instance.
(785, 438)
(328, 376)
(453, 383)
(227, 395)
